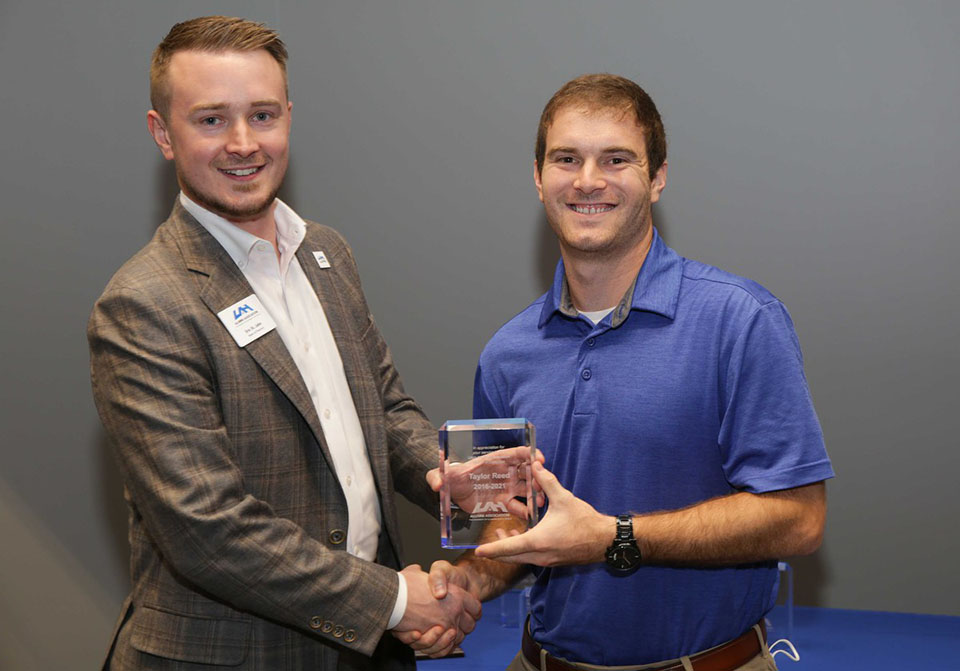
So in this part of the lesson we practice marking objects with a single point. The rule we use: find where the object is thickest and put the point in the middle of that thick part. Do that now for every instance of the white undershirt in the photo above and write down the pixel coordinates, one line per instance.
(289, 298)
(597, 315)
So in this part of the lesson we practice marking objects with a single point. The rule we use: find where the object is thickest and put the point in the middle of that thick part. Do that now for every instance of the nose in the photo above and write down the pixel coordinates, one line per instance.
(589, 178)
(242, 140)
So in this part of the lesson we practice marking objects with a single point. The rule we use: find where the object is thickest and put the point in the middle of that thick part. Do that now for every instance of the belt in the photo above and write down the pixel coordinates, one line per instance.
(726, 657)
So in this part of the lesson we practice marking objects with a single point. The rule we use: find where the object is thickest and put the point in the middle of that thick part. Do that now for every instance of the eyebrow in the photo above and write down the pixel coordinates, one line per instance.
(620, 150)
(215, 107)
(607, 150)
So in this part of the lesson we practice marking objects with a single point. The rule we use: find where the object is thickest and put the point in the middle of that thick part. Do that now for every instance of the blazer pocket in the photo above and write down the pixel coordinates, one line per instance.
(188, 638)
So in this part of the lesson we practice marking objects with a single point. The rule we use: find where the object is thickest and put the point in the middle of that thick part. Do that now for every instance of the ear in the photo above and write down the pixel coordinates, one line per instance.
(537, 180)
(158, 129)
(658, 183)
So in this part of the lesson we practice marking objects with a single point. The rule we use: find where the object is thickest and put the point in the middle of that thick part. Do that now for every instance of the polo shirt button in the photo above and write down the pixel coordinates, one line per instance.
(316, 622)
(591, 342)
(586, 374)
(337, 536)
(338, 631)
(350, 636)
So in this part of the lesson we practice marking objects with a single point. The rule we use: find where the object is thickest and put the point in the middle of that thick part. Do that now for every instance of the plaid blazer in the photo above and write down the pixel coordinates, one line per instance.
(237, 520)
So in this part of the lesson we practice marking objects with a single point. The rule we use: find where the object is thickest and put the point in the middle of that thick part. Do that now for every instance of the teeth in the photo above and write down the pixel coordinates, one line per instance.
(591, 209)
(241, 173)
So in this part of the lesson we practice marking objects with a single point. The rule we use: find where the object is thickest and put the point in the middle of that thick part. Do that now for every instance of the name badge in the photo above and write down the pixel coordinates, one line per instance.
(246, 320)
(321, 259)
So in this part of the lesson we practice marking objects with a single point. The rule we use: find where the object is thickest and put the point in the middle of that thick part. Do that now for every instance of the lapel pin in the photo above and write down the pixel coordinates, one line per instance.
(321, 259)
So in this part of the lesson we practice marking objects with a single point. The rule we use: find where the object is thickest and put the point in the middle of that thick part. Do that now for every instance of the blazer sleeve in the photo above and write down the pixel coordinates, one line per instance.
(157, 393)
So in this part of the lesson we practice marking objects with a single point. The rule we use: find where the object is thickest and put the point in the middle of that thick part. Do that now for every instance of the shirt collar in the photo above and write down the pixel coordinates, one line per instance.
(656, 288)
(238, 243)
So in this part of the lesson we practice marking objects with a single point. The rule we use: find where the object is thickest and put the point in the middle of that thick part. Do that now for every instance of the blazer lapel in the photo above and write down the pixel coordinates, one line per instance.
(331, 287)
(225, 285)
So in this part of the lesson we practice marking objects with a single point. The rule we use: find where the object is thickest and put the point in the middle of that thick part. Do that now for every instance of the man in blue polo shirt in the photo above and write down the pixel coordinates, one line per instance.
(670, 402)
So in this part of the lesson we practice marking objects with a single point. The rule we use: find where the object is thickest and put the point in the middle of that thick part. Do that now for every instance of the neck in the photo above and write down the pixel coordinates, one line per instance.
(597, 281)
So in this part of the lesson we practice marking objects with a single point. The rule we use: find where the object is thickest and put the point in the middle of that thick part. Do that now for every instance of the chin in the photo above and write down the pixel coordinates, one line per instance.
(233, 209)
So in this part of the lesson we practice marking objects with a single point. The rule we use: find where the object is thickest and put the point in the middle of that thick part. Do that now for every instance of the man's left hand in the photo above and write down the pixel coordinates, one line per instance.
(572, 531)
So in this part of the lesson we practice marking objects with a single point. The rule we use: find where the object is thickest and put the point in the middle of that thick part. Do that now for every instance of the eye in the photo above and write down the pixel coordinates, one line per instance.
(209, 121)
(262, 116)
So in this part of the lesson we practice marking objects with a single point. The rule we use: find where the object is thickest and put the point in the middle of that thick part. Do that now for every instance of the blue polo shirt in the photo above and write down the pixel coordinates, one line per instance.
(692, 388)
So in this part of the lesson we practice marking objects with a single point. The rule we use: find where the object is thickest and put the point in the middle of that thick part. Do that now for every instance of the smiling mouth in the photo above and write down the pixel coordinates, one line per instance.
(598, 208)
(241, 172)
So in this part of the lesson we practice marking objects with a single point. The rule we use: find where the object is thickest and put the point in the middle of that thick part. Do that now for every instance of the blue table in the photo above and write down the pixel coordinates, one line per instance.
(827, 639)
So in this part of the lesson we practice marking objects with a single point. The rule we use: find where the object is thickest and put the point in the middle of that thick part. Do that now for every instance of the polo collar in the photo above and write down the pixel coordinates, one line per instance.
(656, 288)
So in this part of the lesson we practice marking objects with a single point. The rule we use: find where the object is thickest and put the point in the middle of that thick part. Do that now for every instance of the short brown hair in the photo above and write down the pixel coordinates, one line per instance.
(607, 92)
(215, 34)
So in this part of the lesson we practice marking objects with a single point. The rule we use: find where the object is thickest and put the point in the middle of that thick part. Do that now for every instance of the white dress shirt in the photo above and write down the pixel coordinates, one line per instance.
(286, 294)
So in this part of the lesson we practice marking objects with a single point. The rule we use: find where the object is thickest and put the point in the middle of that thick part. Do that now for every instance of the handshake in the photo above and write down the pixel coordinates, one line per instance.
(441, 609)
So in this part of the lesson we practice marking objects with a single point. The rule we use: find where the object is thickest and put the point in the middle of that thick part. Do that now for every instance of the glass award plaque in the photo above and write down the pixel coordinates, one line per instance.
(487, 484)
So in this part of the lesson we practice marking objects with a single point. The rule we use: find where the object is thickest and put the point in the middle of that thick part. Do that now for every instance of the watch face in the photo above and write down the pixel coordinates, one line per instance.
(623, 557)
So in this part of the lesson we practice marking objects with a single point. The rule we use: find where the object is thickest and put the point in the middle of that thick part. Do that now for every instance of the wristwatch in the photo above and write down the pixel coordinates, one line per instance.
(623, 555)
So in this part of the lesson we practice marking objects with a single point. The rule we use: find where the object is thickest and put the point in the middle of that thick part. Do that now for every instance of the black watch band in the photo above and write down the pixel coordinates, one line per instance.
(623, 555)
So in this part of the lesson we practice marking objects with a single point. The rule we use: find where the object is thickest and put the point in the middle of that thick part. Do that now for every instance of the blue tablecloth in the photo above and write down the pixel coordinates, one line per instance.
(827, 639)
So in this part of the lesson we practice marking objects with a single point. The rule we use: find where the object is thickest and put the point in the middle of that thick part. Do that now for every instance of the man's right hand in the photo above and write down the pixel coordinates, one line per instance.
(431, 624)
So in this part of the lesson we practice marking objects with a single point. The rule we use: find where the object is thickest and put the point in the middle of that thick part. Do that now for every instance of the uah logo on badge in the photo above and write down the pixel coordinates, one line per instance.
(246, 320)
(321, 259)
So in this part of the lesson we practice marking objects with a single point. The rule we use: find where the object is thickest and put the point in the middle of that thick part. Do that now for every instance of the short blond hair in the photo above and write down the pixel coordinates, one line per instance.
(214, 34)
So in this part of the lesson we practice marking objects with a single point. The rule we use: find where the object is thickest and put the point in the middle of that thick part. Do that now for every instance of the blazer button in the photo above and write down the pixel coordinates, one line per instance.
(327, 627)
(338, 631)
(316, 622)
(337, 536)
(350, 636)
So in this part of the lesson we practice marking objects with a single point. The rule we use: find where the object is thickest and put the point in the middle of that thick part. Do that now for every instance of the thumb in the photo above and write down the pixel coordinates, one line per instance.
(438, 586)
(438, 581)
(548, 481)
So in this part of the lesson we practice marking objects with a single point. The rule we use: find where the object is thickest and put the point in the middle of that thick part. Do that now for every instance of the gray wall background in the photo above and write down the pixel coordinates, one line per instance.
(813, 147)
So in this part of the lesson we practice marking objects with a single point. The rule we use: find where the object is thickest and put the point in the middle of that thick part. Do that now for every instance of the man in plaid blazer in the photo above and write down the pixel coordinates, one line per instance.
(250, 547)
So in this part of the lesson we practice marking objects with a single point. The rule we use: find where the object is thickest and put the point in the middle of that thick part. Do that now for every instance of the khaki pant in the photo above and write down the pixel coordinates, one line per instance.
(762, 662)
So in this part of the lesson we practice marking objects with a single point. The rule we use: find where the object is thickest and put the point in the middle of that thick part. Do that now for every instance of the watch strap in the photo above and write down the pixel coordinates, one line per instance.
(624, 528)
